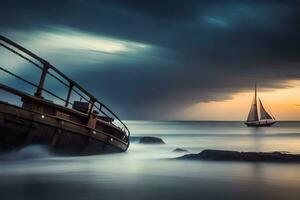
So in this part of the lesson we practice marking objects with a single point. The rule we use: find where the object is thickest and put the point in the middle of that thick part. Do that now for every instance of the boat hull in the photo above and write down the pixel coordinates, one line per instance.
(20, 127)
(259, 123)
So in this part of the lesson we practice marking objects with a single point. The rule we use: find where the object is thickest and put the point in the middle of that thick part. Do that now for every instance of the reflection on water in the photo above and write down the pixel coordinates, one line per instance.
(142, 173)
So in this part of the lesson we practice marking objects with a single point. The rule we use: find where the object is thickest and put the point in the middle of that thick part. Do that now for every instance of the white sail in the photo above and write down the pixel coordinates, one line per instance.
(263, 113)
(263, 119)
(253, 115)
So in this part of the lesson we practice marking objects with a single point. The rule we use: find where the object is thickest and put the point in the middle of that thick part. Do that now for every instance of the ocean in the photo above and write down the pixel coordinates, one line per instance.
(147, 172)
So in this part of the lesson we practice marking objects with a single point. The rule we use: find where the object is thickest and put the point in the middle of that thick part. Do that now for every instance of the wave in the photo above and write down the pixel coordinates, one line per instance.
(28, 152)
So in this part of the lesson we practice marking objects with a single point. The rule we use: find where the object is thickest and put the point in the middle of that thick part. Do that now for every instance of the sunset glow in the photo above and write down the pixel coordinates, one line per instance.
(283, 103)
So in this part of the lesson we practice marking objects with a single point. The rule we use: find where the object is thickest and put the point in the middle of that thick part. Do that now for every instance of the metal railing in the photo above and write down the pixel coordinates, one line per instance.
(95, 104)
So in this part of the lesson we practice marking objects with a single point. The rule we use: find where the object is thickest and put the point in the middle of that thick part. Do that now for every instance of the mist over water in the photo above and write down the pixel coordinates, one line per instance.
(144, 173)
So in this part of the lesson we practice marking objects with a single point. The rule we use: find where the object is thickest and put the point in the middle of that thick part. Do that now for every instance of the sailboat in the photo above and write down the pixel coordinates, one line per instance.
(258, 116)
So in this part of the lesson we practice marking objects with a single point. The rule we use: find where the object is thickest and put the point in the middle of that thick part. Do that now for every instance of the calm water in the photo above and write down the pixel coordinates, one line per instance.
(144, 173)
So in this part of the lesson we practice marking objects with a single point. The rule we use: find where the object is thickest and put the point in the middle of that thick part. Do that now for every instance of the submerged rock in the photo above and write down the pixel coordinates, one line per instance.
(151, 140)
(180, 150)
(221, 155)
(134, 139)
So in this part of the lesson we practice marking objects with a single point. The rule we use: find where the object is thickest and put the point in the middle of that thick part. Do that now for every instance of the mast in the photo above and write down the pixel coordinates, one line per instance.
(255, 104)
(255, 97)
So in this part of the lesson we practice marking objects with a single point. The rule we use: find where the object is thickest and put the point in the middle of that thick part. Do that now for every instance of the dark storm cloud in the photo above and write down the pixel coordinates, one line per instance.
(213, 48)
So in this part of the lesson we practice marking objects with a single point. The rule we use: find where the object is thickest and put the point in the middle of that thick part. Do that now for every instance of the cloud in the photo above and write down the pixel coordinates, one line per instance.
(216, 21)
(147, 59)
(66, 46)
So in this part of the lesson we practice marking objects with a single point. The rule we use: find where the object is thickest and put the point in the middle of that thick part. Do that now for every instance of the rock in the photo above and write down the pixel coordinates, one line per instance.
(151, 140)
(221, 155)
(134, 139)
(180, 150)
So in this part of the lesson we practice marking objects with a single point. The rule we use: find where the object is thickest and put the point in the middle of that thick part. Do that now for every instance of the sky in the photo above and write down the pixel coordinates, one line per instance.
(164, 60)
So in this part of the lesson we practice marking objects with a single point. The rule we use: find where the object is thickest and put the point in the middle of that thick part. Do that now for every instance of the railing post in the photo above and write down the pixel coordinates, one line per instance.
(92, 105)
(39, 90)
(69, 94)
